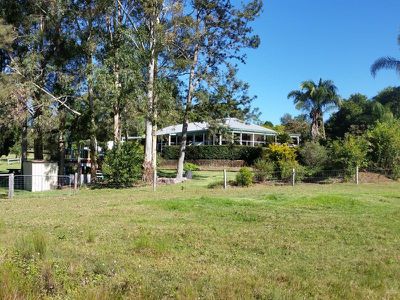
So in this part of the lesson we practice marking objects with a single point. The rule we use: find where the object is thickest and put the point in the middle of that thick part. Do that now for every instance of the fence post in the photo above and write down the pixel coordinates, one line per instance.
(293, 176)
(154, 180)
(75, 181)
(357, 176)
(11, 186)
(225, 181)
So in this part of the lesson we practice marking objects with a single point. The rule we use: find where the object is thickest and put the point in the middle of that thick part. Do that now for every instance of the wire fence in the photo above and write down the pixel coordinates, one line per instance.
(11, 184)
(296, 177)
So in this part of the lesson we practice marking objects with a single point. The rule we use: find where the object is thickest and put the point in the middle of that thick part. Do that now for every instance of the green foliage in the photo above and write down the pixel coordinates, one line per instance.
(123, 164)
(279, 160)
(387, 62)
(349, 153)
(30, 246)
(313, 155)
(284, 138)
(298, 124)
(384, 141)
(190, 167)
(244, 177)
(285, 169)
(276, 152)
(357, 114)
(390, 98)
(264, 170)
(228, 152)
(315, 99)
(216, 184)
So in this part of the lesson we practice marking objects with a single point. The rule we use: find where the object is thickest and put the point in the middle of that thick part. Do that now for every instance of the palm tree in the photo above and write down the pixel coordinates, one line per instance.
(388, 62)
(316, 99)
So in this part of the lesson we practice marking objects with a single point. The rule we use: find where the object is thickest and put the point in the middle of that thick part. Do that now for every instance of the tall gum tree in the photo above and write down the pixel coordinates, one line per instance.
(212, 36)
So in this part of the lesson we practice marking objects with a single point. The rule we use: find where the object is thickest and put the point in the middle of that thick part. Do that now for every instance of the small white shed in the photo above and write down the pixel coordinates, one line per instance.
(40, 176)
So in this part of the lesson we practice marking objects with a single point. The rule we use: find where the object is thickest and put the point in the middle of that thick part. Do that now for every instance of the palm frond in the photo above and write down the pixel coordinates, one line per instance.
(385, 63)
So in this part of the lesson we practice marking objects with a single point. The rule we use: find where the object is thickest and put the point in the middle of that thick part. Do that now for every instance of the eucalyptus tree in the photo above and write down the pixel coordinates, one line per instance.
(387, 62)
(149, 31)
(210, 38)
(316, 99)
(30, 62)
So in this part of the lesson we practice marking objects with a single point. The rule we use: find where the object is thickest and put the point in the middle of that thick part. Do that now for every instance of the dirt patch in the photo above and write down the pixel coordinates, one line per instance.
(370, 177)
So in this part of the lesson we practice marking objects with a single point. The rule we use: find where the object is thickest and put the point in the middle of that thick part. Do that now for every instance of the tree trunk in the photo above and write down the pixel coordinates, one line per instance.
(182, 150)
(322, 126)
(117, 125)
(92, 130)
(154, 145)
(61, 144)
(116, 108)
(38, 142)
(148, 159)
(314, 131)
(315, 125)
(24, 141)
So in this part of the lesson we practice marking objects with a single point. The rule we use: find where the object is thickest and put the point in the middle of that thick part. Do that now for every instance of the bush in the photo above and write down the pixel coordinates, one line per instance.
(384, 140)
(244, 177)
(123, 164)
(228, 152)
(264, 170)
(285, 169)
(276, 153)
(216, 184)
(313, 155)
(349, 153)
(284, 138)
(190, 167)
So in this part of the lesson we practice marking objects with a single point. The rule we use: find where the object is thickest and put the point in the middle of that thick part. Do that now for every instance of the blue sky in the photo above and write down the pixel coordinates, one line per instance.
(309, 39)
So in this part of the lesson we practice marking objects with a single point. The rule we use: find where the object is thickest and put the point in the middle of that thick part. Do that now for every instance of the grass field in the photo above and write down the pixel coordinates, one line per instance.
(186, 241)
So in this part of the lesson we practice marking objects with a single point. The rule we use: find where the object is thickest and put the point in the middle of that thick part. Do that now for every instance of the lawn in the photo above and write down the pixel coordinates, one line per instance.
(188, 241)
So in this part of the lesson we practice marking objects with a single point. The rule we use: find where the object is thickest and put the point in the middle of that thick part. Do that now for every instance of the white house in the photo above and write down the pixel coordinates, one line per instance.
(236, 131)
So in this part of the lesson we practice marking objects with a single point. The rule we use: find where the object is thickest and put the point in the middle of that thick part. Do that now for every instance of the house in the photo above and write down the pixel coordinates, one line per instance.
(235, 131)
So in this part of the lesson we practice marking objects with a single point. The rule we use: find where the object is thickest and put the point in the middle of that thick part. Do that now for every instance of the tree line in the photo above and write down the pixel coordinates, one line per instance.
(90, 71)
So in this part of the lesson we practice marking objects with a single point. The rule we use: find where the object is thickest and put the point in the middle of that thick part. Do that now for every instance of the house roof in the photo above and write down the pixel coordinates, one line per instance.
(231, 123)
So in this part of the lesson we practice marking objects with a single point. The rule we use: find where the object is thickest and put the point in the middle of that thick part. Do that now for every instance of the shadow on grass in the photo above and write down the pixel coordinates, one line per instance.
(199, 177)
(166, 173)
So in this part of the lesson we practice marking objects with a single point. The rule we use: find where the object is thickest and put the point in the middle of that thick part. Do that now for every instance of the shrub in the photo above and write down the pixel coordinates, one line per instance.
(264, 170)
(285, 169)
(384, 141)
(244, 177)
(284, 138)
(349, 153)
(216, 184)
(313, 155)
(123, 164)
(190, 167)
(276, 152)
(228, 152)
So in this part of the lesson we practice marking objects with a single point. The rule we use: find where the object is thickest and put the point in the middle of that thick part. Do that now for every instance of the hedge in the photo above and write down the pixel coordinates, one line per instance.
(229, 152)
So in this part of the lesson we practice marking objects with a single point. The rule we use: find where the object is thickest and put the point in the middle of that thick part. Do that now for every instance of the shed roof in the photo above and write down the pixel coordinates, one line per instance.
(231, 123)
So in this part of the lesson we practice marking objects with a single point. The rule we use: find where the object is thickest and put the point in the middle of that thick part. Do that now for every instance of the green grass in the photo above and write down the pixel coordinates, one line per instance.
(335, 241)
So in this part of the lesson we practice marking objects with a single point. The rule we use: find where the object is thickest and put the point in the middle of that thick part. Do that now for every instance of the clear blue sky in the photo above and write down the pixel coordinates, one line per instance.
(309, 39)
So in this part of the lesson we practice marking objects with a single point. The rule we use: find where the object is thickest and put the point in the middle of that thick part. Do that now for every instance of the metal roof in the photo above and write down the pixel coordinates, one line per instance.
(231, 123)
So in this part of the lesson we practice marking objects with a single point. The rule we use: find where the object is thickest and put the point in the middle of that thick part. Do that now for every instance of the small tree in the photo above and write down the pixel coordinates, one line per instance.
(313, 155)
(123, 164)
(284, 138)
(385, 146)
(264, 169)
(349, 153)
(244, 177)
